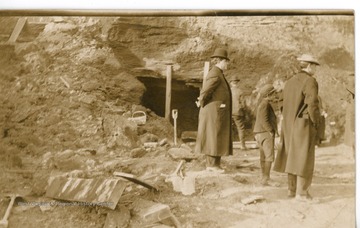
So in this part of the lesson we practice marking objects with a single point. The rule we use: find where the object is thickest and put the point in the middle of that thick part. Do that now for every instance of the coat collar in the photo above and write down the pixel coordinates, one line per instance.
(219, 69)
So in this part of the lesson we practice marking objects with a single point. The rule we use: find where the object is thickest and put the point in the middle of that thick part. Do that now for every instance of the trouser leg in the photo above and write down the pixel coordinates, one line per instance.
(262, 156)
(242, 137)
(303, 185)
(212, 161)
(291, 184)
(262, 166)
(217, 161)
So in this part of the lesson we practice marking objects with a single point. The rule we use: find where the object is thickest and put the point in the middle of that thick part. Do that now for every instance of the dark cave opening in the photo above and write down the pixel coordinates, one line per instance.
(183, 97)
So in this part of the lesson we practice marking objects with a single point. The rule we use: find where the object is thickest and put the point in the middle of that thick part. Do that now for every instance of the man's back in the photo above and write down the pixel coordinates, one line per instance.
(293, 98)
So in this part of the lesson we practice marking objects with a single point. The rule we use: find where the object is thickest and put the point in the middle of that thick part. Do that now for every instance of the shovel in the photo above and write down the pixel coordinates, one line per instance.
(181, 183)
(4, 221)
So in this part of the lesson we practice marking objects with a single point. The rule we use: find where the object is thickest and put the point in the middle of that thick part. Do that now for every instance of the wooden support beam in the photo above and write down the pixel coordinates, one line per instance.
(168, 92)
(17, 30)
(206, 71)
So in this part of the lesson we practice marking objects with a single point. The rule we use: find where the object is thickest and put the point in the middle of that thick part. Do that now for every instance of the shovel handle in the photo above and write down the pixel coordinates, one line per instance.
(7, 213)
(179, 166)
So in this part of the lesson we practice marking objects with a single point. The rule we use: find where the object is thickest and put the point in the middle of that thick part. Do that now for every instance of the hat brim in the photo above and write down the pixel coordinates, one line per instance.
(223, 57)
(317, 63)
(309, 61)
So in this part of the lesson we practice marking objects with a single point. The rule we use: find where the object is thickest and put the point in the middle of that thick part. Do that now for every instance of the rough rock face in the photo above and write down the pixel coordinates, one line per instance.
(262, 49)
(70, 82)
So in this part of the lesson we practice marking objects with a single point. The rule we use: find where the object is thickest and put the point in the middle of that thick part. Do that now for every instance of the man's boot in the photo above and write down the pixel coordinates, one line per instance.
(292, 179)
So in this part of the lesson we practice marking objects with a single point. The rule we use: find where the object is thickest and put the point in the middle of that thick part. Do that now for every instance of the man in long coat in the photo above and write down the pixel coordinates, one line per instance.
(300, 121)
(214, 138)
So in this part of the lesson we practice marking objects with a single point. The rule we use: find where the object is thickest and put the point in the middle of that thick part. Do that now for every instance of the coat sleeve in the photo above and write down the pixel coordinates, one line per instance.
(211, 82)
(263, 116)
(312, 100)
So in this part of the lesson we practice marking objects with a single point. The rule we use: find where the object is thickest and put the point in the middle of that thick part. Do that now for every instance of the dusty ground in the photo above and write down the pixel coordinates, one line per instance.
(217, 200)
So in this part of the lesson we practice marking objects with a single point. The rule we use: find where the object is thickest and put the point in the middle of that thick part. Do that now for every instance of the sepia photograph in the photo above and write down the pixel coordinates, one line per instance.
(177, 118)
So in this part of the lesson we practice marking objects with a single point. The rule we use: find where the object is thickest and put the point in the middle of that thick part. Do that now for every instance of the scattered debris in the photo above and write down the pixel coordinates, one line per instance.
(134, 179)
(186, 147)
(137, 152)
(97, 192)
(117, 219)
(65, 82)
(151, 212)
(45, 207)
(252, 199)
(163, 142)
(241, 179)
(188, 136)
(150, 144)
(248, 144)
(181, 154)
(246, 165)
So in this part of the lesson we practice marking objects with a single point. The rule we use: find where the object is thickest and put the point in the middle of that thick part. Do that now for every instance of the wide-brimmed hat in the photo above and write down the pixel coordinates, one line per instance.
(220, 53)
(266, 90)
(308, 58)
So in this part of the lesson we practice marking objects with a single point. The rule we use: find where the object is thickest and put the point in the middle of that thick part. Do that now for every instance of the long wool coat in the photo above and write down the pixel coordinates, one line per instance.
(214, 135)
(300, 116)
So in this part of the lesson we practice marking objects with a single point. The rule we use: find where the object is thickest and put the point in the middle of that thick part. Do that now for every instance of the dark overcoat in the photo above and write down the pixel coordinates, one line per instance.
(214, 135)
(300, 117)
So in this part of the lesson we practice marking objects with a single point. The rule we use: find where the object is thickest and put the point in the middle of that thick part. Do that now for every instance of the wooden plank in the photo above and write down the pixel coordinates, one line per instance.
(17, 30)
(96, 192)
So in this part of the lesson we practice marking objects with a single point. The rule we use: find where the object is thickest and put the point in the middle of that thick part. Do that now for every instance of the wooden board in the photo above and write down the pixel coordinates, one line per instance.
(92, 192)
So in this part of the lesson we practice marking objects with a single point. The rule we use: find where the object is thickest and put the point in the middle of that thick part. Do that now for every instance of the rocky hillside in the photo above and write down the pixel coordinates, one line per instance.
(72, 82)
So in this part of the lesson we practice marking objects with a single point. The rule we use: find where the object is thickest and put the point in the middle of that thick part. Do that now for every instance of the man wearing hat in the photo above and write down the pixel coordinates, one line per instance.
(214, 138)
(300, 122)
(238, 112)
(265, 129)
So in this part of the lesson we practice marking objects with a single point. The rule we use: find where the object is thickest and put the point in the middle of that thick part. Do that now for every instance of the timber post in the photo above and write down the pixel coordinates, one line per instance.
(168, 92)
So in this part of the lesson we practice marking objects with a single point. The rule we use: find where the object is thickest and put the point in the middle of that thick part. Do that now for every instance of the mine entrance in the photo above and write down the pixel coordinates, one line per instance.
(183, 97)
